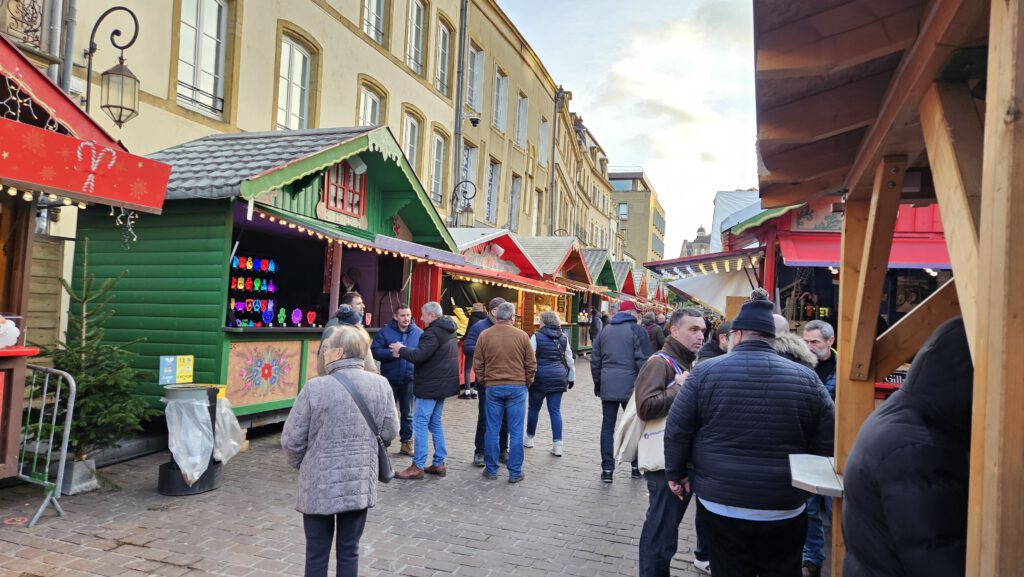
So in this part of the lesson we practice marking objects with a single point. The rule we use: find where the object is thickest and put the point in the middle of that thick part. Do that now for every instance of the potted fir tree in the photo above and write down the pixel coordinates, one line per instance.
(106, 408)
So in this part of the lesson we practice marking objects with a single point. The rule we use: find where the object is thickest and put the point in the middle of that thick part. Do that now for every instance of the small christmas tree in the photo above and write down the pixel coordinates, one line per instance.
(106, 408)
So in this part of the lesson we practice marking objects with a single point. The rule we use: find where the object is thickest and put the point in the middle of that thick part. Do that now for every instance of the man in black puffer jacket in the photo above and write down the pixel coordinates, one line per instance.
(905, 506)
(738, 418)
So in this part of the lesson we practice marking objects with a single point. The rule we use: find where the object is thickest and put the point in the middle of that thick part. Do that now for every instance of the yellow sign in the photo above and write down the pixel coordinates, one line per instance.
(176, 369)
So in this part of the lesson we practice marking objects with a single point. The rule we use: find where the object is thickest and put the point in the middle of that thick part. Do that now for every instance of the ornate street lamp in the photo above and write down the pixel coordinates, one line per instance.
(461, 197)
(119, 88)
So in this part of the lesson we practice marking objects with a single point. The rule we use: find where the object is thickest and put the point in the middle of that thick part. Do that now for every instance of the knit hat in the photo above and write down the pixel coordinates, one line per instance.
(347, 315)
(756, 314)
(626, 306)
(495, 302)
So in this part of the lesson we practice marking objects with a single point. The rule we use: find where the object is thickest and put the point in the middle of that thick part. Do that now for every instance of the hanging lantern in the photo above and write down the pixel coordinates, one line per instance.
(119, 93)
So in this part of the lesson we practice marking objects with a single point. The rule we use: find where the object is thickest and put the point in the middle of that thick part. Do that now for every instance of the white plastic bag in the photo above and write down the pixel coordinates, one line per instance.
(228, 432)
(190, 436)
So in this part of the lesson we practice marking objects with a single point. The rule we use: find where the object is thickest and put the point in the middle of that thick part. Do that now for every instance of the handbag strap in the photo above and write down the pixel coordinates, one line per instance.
(359, 403)
(671, 361)
(559, 348)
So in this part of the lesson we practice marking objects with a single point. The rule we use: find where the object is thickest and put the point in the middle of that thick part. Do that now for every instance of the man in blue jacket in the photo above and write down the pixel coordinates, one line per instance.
(468, 349)
(620, 351)
(397, 370)
(737, 419)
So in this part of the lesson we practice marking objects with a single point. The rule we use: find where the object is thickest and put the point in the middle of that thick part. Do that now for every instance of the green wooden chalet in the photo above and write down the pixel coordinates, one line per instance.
(260, 234)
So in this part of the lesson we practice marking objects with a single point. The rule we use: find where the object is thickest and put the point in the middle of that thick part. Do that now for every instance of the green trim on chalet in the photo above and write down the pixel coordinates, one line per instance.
(607, 276)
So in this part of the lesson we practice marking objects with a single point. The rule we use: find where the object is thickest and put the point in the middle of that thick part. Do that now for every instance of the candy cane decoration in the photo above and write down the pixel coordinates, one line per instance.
(94, 163)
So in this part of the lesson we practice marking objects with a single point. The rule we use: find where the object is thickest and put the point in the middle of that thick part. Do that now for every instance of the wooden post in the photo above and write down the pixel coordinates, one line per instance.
(335, 277)
(898, 344)
(996, 507)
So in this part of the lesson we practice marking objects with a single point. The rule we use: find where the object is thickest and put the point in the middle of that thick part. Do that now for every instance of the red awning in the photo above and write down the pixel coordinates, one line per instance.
(476, 274)
(824, 250)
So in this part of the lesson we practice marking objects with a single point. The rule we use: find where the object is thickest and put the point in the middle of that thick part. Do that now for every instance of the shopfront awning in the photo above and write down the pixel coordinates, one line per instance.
(711, 290)
(825, 250)
(476, 274)
(577, 286)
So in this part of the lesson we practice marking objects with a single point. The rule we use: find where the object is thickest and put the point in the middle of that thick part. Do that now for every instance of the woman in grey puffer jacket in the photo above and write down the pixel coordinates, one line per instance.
(327, 439)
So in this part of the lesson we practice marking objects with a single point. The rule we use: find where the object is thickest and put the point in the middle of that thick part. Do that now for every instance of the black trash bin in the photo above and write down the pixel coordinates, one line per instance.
(170, 481)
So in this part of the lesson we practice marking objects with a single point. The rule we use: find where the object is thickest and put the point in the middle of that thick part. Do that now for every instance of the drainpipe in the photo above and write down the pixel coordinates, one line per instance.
(559, 99)
(460, 96)
(69, 48)
(53, 46)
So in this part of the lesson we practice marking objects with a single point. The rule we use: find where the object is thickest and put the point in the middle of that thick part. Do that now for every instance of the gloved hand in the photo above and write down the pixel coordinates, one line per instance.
(597, 390)
(571, 383)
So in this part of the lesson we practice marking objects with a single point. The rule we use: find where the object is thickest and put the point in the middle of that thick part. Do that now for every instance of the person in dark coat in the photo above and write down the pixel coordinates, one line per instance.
(596, 324)
(468, 389)
(435, 378)
(469, 349)
(556, 373)
(717, 345)
(737, 419)
(654, 331)
(619, 352)
(906, 480)
(397, 370)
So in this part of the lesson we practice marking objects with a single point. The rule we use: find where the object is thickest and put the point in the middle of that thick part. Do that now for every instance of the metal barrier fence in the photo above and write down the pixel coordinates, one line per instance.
(50, 394)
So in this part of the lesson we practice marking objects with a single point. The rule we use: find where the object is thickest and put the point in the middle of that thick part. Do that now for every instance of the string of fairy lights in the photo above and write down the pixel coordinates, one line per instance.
(714, 267)
(29, 196)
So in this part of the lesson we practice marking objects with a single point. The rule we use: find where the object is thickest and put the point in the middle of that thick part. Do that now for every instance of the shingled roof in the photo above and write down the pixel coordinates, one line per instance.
(549, 252)
(594, 258)
(622, 269)
(215, 166)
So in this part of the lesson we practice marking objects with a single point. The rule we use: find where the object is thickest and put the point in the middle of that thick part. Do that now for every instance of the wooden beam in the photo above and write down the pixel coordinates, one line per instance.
(995, 527)
(825, 114)
(852, 397)
(849, 15)
(898, 344)
(885, 204)
(946, 26)
(954, 138)
(828, 157)
(876, 39)
(785, 194)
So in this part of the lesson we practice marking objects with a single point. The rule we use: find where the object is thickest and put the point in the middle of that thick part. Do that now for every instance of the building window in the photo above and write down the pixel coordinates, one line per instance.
(493, 184)
(475, 85)
(293, 86)
(374, 20)
(444, 59)
(522, 112)
(657, 246)
(545, 142)
(371, 105)
(201, 54)
(411, 140)
(345, 191)
(500, 120)
(623, 211)
(469, 159)
(438, 151)
(415, 41)
(514, 201)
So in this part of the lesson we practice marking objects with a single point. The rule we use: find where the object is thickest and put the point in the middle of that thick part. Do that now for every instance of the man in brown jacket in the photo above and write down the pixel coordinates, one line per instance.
(505, 364)
(659, 381)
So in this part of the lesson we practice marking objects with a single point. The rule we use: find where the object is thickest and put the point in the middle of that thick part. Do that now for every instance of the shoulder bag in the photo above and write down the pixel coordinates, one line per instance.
(651, 446)
(385, 472)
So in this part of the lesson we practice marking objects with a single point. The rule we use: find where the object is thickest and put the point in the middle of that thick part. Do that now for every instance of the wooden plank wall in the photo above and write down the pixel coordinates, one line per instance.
(45, 292)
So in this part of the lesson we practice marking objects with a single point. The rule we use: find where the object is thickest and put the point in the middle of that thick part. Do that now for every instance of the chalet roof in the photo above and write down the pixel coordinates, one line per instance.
(594, 258)
(621, 269)
(549, 252)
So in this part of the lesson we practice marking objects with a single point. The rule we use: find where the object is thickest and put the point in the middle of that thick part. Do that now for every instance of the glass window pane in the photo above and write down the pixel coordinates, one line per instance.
(187, 45)
(211, 16)
(208, 54)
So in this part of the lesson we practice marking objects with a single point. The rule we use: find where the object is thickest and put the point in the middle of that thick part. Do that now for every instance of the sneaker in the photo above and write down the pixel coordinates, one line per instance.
(517, 479)
(407, 448)
(478, 459)
(472, 393)
(702, 566)
(528, 441)
(810, 570)
(636, 474)
(503, 458)
(606, 476)
(489, 476)
(556, 448)
(463, 394)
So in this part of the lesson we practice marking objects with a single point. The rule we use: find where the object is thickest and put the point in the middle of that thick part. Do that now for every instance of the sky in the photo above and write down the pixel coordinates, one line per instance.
(667, 86)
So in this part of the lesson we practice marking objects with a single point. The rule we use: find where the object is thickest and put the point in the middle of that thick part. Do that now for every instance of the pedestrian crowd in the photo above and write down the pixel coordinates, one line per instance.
(706, 415)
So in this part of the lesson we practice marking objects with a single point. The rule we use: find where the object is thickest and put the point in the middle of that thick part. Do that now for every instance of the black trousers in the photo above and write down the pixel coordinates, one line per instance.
(481, 424)
(753, 548)
(345, 529)
(659, 538)
(609, 413)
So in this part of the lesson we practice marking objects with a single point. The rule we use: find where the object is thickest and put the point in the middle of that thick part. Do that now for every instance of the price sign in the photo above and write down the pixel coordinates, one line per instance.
(176, 369)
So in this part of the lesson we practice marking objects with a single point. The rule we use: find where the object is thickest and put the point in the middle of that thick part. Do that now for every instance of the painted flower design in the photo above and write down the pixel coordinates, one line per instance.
(264, 370)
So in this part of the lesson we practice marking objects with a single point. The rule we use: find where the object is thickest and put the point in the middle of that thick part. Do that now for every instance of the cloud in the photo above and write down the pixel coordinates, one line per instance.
(707, 157)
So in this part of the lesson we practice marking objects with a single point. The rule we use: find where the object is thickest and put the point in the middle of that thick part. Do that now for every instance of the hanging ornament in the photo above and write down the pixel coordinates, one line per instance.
(268, 315)
(259, 324)
(248, 284)
(255, 264)
(272, 267)
(310, 318)
(248, 305)
(267, 305)
(238, 323)
(281, 316)
(233, 283)
(264, 265)
(240, 285)
(256, 305)
(257, 283)
(248, 264)
(241, 262)
(240, 306)
(296, 317)
(231, 304)
(272, 287)
(234, 262)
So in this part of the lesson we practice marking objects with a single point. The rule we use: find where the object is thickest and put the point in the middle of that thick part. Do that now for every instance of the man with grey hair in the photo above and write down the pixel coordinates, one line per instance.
(435, 362)
(505, 364)
(819, 337)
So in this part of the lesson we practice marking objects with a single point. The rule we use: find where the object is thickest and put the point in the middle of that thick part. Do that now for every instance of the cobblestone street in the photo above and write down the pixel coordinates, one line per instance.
(561, 521)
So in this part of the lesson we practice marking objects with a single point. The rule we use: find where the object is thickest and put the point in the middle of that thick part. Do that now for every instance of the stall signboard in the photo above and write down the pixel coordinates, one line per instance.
(176, 369)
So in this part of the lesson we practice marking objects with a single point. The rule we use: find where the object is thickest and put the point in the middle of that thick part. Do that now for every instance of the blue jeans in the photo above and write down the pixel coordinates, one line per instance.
(814, 545)
(502, 401)
(537, 397)
(428, 416)
(481, 424)
(403, 394)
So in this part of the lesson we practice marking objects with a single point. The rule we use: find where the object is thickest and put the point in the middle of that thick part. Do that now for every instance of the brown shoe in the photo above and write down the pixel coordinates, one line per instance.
(440, 470)
(413, 473)
(407, 448)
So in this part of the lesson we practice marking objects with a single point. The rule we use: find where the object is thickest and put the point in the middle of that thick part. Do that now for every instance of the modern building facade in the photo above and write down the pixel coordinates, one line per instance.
(640, 215)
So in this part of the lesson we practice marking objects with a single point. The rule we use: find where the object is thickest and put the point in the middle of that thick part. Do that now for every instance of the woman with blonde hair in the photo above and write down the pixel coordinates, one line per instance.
(329, 441)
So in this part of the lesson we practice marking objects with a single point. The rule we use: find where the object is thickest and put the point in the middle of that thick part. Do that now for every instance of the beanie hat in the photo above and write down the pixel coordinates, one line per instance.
(626, 306)
(347, 315)
(756, 314)
(495, 302)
